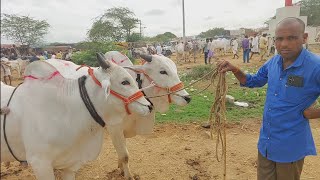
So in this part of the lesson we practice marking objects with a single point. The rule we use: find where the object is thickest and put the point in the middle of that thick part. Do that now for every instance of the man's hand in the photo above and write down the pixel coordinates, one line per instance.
(312, 112)
(224, 66)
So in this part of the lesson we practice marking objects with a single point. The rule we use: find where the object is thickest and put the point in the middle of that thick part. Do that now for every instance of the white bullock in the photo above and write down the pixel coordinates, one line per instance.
(222, 45)
(49, 124)
(158, 75)
(183, 51)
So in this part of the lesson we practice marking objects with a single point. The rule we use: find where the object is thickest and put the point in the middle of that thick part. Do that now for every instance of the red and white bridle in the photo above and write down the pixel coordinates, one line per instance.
(126, 100)
(170, 90)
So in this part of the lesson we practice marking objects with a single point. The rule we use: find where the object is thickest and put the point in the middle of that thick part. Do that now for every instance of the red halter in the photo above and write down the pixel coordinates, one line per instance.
(168, 89)
(126, 100)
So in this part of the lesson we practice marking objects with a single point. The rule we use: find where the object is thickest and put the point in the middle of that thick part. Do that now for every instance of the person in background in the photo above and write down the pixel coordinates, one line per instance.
(263, 43)
(246, 49)
(270, 46)
(255, 45)
(206, 51)
(159, 49)
(59, 55)
(293, 79)
(234, 45)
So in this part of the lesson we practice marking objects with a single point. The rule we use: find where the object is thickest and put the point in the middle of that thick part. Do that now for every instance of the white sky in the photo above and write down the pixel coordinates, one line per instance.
(71, 19)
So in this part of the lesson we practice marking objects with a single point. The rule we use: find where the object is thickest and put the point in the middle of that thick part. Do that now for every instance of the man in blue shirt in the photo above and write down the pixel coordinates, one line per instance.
(293, 79)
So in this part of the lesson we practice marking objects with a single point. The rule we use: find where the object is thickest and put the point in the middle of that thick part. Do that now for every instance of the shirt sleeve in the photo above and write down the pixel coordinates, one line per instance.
(259, 79)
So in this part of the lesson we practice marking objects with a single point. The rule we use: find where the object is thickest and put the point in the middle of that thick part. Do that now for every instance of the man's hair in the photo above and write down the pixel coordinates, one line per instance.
(246, 36)
(289, 20)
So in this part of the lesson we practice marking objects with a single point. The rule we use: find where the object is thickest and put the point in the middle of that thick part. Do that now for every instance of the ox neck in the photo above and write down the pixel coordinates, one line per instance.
(96, 95)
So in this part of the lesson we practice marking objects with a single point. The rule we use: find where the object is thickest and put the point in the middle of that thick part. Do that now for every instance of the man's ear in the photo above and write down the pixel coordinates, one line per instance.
(305, 38)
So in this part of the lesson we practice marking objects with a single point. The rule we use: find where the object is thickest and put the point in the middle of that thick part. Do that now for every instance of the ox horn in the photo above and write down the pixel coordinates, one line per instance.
(102, 61)
(146, 57)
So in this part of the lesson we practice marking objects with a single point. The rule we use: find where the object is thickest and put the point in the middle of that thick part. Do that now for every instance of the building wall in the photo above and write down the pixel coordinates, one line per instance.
(282, 13)
(292, 11)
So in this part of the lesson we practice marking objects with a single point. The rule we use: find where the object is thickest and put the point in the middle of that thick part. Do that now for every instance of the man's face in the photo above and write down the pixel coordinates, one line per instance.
(289, 40)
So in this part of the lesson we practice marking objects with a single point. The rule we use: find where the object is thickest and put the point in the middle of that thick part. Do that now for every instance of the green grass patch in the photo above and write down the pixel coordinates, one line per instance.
(199, 108)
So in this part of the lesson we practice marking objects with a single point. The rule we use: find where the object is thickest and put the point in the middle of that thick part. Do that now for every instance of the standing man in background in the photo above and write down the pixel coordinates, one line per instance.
(255, 45)
(246, 49)
(263, 46)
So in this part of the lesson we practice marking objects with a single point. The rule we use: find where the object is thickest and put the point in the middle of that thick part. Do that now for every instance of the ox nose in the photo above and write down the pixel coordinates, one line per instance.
(187, 98)
(150, 108)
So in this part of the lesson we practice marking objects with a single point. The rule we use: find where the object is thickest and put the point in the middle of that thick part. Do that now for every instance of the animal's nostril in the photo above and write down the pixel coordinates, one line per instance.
(187, 98)
(150, 108)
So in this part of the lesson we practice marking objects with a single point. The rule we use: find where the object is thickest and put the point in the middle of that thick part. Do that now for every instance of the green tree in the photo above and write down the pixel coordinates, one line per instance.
(23, 29)
(213, 32)
(87, 55)
(167, 36)
(114, 25)
(134, 37)
(311, 8)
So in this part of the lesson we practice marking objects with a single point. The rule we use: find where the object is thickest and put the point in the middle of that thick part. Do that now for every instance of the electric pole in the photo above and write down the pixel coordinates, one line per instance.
(184, 29)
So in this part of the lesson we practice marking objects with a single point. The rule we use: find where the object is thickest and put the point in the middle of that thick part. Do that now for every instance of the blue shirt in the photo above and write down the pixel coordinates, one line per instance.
(285, 134)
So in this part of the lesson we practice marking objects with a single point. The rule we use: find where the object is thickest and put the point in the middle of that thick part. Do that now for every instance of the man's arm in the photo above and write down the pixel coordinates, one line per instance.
(312, 112)
(257, 80)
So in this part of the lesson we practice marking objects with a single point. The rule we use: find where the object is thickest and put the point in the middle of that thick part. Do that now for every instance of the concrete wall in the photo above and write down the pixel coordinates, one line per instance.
(282, 13)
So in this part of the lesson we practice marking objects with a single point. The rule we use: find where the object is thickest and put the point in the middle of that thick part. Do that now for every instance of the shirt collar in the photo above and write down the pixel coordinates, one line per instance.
(298, 62)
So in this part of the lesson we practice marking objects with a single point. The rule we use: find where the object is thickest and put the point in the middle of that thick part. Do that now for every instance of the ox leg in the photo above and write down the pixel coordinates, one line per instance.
(68, 174)
(42, 169)
(119, 142)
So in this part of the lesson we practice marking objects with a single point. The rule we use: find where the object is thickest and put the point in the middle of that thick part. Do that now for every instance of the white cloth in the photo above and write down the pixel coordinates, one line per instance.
(234, 46)
(159, 50)
(255, 44)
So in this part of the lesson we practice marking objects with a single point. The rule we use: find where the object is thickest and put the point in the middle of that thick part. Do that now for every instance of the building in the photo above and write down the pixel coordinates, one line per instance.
(292, 10)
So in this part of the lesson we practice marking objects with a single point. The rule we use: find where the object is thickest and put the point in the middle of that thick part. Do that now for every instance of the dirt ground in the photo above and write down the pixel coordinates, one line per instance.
(182, 151)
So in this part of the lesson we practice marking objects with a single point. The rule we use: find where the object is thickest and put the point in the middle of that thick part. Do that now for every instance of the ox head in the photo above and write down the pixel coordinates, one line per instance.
(122, 85)
(163, 72)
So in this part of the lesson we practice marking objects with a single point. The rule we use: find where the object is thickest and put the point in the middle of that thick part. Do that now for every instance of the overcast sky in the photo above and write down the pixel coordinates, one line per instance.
(71, 19)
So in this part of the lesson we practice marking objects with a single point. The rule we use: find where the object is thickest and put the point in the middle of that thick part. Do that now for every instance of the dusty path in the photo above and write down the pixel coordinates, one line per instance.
(181, 152)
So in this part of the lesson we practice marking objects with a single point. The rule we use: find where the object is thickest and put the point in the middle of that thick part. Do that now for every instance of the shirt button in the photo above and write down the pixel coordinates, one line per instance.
(276, 94)
(280, 79)
(269, 109)
(286, 85)
(268, 138)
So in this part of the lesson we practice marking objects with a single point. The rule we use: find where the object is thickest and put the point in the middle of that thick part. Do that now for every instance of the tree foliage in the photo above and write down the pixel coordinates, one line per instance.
(23, 29)
(213, 32)
(134, 37)
(311, 8)
(87, 55)
(165, 37)
(114, 25)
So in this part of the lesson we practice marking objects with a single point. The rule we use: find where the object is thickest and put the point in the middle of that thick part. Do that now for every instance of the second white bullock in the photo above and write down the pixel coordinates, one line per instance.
(156, 77)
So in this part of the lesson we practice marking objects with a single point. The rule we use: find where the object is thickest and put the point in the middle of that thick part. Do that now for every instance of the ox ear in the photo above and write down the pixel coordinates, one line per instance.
(146, 57)
(106, 86)
(102, 61)
(136, 68)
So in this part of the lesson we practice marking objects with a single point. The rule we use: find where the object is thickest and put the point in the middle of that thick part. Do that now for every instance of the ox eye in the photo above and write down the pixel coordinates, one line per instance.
(163, 72)
(125, 82)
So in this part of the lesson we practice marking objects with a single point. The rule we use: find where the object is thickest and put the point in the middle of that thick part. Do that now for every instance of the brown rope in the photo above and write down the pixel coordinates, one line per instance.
(217, 118)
